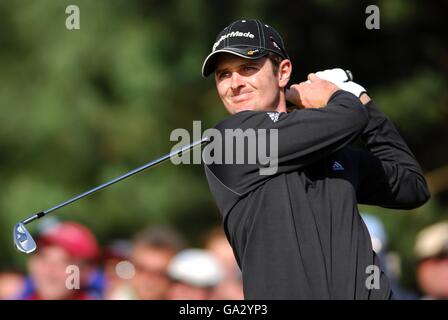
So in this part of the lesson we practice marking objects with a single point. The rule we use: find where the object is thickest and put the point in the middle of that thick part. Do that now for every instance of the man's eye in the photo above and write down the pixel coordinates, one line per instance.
(249, 69)
(223, 75)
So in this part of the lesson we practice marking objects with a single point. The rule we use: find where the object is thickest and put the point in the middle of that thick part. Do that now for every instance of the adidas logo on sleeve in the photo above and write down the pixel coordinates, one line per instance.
(337, 166)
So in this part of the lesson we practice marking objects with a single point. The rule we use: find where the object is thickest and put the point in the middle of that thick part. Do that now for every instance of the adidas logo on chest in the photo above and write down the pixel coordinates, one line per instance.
(274, 116)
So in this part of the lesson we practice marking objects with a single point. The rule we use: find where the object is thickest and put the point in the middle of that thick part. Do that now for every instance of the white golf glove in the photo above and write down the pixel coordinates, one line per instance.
(343, 79)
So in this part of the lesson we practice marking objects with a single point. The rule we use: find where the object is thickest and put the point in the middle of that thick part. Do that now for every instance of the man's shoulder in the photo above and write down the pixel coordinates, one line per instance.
(248, 119)
(235, 120)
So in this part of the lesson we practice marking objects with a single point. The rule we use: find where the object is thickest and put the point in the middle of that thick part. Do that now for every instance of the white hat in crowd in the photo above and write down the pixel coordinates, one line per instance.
(196, 267)
(432, 241)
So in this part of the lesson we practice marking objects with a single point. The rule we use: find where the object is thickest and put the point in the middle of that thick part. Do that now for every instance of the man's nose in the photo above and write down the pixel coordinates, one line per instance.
(237, 80)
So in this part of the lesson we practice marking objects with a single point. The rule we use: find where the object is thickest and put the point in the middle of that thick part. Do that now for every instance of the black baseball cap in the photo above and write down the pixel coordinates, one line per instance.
(250, 39)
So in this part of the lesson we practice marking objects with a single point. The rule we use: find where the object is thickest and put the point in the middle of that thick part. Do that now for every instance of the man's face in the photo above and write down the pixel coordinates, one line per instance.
(245, 84)
(184, 291)
(151, 280)
(48, 271)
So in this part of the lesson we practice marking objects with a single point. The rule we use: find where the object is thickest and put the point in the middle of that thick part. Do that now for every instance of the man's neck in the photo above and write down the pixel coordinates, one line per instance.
(282, 102)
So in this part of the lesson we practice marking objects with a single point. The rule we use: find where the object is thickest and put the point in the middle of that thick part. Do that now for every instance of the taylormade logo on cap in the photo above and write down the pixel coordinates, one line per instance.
(232, 34)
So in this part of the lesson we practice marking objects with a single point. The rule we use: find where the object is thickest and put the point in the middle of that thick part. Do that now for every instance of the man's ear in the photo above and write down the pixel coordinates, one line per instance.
(284, 72)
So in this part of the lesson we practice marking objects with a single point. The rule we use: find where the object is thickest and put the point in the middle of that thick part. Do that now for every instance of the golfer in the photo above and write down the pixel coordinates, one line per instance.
(297, 233)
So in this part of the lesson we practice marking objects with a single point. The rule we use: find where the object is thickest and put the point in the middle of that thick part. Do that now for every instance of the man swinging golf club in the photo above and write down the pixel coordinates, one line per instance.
(297, 234)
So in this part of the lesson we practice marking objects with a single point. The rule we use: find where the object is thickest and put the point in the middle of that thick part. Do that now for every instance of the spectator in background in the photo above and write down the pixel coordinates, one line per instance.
(11, 284)
(63, 245)
(390, 261)
(231, 288)
(431, 250)
(376, 231)
(194, 274)
(152, 251)
(117, 279)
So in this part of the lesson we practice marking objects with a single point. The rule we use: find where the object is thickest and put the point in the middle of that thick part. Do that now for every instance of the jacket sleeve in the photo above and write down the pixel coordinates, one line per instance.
(308, 135)
(390, 176)
(304, 136)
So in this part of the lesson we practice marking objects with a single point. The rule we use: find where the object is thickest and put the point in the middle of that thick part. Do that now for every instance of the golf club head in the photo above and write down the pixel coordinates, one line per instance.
(23, 241)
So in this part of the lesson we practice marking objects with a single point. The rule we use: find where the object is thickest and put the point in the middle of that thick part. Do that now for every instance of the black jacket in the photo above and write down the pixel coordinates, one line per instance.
(298, 234)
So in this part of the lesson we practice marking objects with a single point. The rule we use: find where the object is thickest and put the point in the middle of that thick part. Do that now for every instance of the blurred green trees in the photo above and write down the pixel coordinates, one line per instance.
(80, 107)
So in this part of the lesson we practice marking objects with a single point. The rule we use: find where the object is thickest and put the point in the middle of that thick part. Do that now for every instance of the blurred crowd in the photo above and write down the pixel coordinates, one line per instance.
(157, 264)
(430, 257)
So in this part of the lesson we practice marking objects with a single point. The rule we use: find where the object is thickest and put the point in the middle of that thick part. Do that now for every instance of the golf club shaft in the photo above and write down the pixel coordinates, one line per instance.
(122, 177)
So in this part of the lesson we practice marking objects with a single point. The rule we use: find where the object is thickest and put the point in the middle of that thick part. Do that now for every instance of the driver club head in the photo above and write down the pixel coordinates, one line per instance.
(22, 239)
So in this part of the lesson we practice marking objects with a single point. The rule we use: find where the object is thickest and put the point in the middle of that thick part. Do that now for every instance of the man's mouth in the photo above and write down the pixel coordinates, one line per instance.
(241, 97)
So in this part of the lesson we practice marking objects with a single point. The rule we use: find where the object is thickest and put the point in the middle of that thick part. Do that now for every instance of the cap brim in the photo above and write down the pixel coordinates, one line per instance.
(210, 62)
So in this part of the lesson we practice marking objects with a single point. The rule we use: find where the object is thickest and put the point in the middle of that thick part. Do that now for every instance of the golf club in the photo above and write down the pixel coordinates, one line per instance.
(22, 238)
